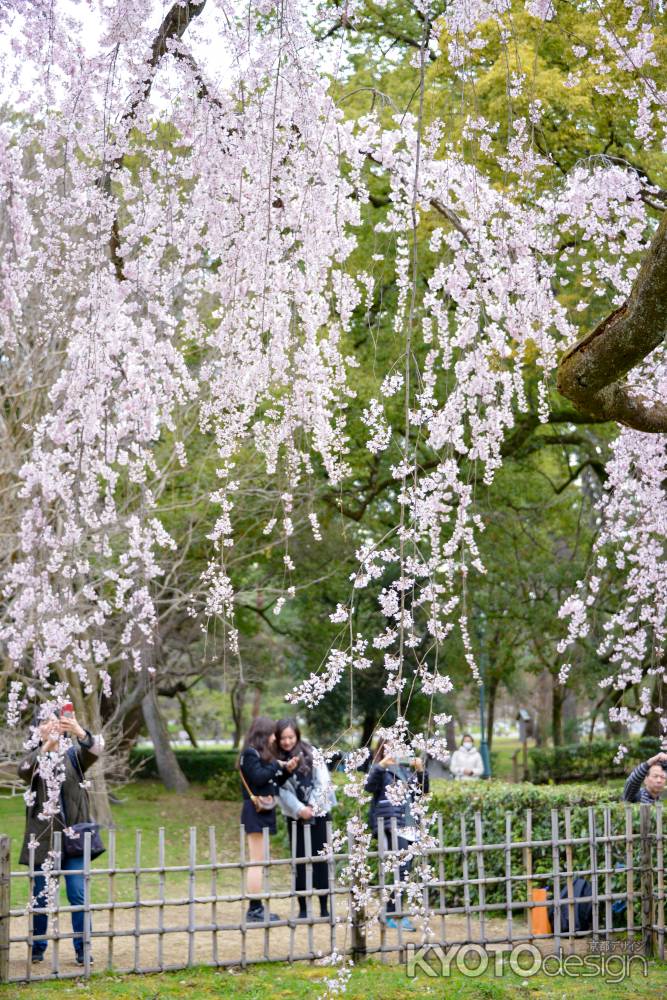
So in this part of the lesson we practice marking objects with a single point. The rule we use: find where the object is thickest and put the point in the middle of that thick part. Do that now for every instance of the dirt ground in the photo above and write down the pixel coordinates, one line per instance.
(286, 940)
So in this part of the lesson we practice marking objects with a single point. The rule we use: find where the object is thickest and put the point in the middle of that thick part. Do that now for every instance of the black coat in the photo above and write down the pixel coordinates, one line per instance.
(263, 776)
(75, 798)
(379, 779)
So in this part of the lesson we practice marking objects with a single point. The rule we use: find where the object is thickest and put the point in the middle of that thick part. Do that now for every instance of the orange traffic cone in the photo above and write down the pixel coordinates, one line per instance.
(538, 916)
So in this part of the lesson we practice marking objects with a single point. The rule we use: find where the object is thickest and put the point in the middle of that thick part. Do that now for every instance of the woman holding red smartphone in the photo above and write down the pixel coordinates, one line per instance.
(75, 808)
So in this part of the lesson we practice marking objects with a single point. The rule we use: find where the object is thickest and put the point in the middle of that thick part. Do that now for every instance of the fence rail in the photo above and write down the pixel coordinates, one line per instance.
(154, 917)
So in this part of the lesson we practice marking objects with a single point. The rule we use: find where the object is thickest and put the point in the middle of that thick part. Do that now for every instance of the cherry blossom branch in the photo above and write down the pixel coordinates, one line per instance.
(590, 373)
(174, 25)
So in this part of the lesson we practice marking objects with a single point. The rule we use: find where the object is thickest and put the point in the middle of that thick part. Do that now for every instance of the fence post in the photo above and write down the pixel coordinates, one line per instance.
(646, 878)
(4, 906)
(660, 868)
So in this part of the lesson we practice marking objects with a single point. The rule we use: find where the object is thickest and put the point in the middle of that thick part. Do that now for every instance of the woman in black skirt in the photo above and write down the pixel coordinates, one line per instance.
(261, 775)
(306, 798)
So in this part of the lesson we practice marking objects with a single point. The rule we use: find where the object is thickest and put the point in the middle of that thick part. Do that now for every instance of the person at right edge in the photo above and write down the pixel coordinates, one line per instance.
(647, 781)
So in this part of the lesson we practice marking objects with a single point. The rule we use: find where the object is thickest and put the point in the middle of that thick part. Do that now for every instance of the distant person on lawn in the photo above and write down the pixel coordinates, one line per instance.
(74, 805)
(466, 763)
(647, 781)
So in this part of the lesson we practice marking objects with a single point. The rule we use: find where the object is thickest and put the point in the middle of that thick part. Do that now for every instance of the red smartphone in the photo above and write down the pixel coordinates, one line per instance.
(67, 710)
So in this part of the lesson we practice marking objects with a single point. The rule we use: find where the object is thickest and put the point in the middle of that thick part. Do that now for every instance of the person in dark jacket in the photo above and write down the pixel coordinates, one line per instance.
(647, 781)
(385, 772)
(306, 799)
(74, 808)
(261, 774)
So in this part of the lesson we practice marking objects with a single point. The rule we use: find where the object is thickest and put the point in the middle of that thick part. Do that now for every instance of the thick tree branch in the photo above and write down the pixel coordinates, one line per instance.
(590, 374)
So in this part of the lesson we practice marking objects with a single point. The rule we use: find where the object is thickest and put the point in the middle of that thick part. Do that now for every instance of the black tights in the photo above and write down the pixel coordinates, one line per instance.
(318, 839)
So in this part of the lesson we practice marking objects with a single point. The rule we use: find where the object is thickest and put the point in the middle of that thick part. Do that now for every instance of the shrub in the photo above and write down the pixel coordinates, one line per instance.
(196, 764)
(587, 761)
(224, 785)
(457, 802)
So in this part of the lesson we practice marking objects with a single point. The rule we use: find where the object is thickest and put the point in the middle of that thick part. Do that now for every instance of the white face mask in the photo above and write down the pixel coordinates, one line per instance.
(467, 745)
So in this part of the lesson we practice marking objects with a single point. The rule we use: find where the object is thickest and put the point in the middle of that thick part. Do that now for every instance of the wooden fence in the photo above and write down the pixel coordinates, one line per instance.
(150, 917)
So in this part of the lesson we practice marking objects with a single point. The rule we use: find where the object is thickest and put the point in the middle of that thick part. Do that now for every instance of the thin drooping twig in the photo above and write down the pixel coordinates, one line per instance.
(591, 373)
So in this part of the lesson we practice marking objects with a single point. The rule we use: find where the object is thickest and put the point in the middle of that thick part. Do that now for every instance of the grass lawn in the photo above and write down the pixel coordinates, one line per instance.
(369, 980)
(147, 806)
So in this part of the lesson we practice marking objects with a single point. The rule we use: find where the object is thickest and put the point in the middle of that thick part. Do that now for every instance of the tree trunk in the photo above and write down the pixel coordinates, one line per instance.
(492, 692)
(237, 702)
(450, 735)
(658, 697)
(557, 699)
(87, 711)
(571, 718)
(168, 767)
(99, 793)
(131, 726)
(185, 721)
(367, 727)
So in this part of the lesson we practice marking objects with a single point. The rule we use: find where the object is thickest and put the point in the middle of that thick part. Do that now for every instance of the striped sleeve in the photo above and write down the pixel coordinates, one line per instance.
(633, 785)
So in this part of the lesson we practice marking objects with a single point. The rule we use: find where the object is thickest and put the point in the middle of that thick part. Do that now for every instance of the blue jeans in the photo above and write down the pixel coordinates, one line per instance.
(74, 886)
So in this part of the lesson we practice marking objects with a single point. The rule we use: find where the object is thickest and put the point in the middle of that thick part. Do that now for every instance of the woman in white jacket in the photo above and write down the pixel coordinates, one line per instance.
(466, 763)
(306, 799)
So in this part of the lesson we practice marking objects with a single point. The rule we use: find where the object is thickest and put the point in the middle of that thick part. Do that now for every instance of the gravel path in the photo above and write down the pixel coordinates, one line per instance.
(286, 940)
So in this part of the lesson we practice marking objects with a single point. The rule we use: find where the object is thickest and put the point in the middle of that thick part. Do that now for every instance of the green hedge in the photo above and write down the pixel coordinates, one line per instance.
(588, 761)
(197, 764)
(457, 802)
(496, 800)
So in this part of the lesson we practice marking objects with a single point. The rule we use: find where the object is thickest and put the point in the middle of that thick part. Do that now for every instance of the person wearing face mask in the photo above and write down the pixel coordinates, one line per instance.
(466, 763)
(306, 799)
(647, 781)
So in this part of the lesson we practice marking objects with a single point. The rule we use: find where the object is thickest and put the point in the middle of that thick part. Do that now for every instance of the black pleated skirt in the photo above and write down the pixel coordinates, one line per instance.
(255, 822)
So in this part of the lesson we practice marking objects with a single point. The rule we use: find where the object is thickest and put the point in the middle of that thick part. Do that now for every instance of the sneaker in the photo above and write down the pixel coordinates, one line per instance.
(407, 924)
(37, 957)
(80, 960)
(257, 916)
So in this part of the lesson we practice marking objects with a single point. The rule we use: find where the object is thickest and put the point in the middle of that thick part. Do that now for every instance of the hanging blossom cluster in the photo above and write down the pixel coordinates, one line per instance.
(199, 273)
(182, 244)
(633, 529)
(491, 307)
